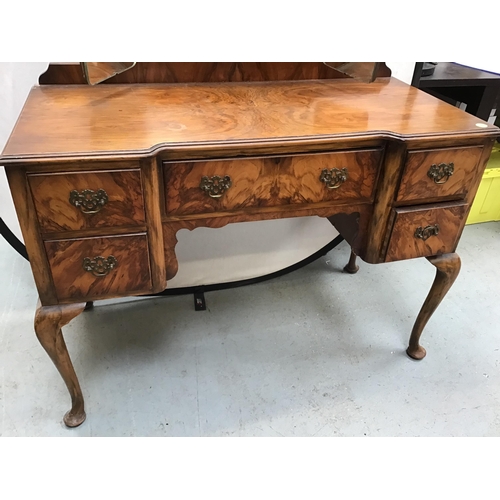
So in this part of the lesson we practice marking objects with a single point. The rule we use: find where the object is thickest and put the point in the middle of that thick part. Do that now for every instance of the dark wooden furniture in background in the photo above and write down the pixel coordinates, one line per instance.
(452, 82)
(104, 177)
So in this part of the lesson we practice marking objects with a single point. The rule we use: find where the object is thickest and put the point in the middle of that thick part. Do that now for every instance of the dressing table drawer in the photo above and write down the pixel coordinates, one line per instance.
(224, 185)
(425, 231)
(88, 268)
(85, 200)
(438, 173)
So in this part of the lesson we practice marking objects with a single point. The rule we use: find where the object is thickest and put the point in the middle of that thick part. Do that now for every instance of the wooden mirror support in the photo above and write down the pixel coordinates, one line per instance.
(208, 72)
(97, 72)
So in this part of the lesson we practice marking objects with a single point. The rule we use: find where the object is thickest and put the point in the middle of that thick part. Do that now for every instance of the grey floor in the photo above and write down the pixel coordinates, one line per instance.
(315, 353)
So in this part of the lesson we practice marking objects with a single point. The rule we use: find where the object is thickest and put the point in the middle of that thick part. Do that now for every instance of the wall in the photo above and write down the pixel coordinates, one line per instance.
(16, 80)
(402, 70)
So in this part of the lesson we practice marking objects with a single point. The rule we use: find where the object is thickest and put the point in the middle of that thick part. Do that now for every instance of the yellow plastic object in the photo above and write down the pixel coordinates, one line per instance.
(486, 206)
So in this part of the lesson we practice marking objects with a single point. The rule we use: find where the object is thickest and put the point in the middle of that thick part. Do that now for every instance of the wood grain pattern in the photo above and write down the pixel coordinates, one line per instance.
(75, 165)
(190, 72)
(295, 128)
(378, 232)
(154, 118)
(30, 229)
(48, 324)
(102, 231)
(447, 269)
(131, 275)
(267, 182)
(351, 220)
(51, 195)
(416, 185)
(153, 204)
(450, 219)
(240, 149)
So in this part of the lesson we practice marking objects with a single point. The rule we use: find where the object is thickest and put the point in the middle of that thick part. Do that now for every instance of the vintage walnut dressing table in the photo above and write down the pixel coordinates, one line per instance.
(104, 176)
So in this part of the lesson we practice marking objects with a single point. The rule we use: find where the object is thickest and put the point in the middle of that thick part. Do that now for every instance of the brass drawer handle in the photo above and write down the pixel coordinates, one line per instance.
(426, 232)
(88, 201)
(334, 177)
(215, 186)
(441, 173)
(99, 266)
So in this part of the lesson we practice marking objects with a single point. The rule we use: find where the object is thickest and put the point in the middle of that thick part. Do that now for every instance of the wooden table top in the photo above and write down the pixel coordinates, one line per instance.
(76, 120)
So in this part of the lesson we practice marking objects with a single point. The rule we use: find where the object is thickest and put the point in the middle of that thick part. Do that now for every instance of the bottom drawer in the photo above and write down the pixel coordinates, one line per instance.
(422, 232)
(89, 268)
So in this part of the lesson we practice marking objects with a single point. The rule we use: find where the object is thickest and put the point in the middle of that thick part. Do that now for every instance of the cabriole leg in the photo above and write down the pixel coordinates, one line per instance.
(447, 269)
(351, 266)
(48, 323)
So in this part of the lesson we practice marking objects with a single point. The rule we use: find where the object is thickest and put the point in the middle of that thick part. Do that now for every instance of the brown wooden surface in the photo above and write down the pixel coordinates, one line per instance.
(79, 164)
(200, 72)
(447, 269)
(48, 324)
(123, 119)
(353, 223)
(351, 267)
(267, 182)
(73, 131)
(377, 232)
(28, 221)
(350, 219)
(416, 185)
(363, 71)
(96, 72)
(102, 231)
(51, 194)
(132, 274)
(153, 190)
(404, 245)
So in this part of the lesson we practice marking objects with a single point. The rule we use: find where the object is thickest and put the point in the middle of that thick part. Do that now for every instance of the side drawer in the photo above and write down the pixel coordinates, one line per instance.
(88, 268)
(84, 200)
(438, 173)
(425, 231)
(223, 185)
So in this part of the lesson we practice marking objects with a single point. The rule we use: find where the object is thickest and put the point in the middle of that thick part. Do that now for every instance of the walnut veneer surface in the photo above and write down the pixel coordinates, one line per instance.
(131, 119)
(103, 178)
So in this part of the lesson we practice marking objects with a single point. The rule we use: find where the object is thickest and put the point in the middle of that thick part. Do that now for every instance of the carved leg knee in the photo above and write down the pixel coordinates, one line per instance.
(48, 323)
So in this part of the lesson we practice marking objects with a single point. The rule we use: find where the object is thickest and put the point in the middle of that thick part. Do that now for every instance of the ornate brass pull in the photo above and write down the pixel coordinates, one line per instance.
(215, 186)
(334, 177)
(441, 173)
(99, 266)
(426, 232)
(88, 201)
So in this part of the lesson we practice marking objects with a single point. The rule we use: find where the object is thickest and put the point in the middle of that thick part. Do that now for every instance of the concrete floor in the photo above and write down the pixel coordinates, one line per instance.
(315, 353)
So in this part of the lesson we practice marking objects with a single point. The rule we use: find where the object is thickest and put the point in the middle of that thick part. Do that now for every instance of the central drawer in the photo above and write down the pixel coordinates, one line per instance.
(196, 187)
